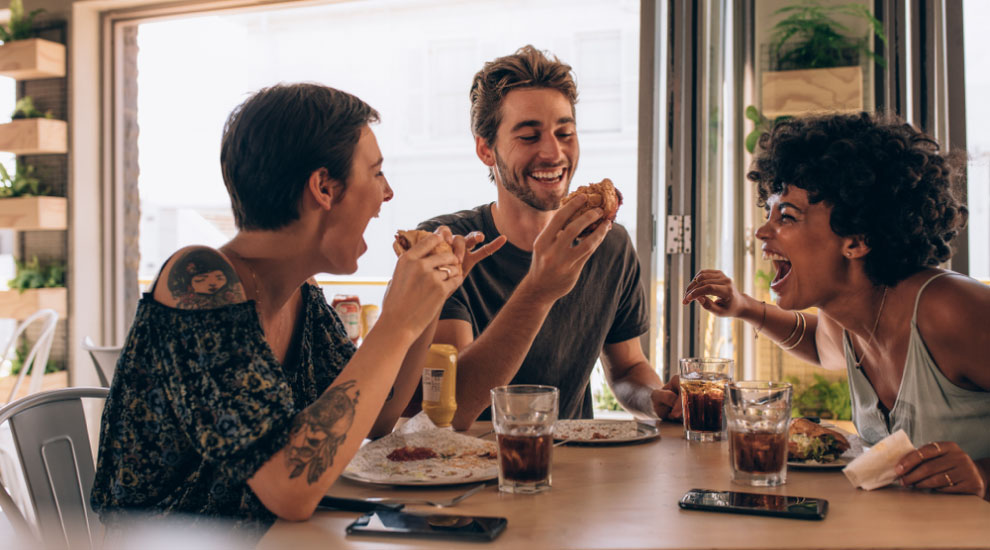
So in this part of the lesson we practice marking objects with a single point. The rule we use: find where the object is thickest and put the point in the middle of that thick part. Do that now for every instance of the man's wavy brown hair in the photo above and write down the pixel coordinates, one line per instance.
(885, 181)
(527, 68)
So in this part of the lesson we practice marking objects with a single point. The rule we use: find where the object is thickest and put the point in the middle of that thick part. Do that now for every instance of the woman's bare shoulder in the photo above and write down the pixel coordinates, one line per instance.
(198, 277)
(951, 318)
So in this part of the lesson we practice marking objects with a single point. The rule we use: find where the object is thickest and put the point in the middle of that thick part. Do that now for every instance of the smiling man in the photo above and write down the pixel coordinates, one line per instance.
(543, 307)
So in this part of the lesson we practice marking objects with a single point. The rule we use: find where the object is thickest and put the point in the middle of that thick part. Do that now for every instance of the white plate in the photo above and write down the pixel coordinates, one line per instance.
(837, 464)
(643, 431)
(459, 460)
(452, 480)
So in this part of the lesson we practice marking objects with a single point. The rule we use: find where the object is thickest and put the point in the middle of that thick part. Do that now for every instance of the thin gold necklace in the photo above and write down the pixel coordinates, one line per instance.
(254, 276)
(873, 332)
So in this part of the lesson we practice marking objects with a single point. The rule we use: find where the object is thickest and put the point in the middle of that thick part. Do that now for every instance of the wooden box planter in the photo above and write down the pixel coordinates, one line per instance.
(32, 58)
(20, 305)
(810, 90)
(34, 136)
(33, 213)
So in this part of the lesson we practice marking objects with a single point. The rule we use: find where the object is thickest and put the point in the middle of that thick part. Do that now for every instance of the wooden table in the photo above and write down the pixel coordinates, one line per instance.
(626, 497)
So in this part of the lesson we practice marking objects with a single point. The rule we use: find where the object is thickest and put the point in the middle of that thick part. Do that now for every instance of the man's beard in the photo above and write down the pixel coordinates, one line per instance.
(516, 184)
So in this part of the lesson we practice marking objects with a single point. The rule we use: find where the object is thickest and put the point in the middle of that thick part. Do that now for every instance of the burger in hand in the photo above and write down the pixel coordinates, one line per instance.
(602, 195)
(404, 240)
(810, 441)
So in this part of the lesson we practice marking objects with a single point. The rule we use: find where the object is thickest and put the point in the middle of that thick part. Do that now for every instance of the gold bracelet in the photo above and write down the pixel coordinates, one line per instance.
(797, 321)
(764, 321)
(804, 325)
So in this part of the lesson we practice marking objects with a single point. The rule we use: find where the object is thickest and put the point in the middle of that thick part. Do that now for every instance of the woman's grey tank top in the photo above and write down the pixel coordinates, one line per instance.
(929, 407)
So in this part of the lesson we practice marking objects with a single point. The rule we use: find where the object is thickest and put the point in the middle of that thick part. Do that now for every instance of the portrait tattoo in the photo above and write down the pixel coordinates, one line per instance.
(323, 428)
(203, 279)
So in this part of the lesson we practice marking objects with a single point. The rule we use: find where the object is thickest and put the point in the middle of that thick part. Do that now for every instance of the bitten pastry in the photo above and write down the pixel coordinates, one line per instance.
(404, 240)
(602, 195)
(810, 441)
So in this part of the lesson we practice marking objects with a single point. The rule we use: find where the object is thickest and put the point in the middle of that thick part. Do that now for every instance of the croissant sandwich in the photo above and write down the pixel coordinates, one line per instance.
(602, 195)
(810, 441)
(404, 240)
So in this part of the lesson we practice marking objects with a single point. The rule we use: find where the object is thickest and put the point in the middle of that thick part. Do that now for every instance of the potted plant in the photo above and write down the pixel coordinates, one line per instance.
(815, 59)
(34, 286)
(32, 132)
(24, 204)
(22, 56)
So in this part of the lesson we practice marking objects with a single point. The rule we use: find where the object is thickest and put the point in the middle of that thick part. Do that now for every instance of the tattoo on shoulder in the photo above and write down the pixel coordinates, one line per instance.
(204, 279)
(319, 431)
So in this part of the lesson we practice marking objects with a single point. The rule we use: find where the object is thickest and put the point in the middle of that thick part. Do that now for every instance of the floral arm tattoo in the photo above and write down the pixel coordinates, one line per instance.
(203, 279)
(323, 427)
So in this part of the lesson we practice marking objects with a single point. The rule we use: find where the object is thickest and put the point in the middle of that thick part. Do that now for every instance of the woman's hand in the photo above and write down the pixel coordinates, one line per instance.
(464, 247)
(941, 466)
(714, 291)
(421, 283)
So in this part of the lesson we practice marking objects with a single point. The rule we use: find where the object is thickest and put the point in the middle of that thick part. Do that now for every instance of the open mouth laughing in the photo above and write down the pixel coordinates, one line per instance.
(548, 176)
(782, 267)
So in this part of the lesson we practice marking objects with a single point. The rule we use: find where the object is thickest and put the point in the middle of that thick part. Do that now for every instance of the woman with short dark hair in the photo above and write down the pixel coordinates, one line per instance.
(238, 394)
(861, 209)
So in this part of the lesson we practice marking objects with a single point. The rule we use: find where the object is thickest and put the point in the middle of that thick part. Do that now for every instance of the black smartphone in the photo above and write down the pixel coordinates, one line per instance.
(392, 522)
(753, 503)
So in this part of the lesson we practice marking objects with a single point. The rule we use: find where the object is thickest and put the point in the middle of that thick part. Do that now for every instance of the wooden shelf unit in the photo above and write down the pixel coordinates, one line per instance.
(32, 58)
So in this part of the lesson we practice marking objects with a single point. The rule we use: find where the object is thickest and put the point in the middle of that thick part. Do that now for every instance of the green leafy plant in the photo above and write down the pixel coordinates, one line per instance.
(21, 25)
(605, 400)
(32, 274)
(823, 399)
(761, 125)
(25, 109)
(22, 184)
(810, 38)
(20, 354)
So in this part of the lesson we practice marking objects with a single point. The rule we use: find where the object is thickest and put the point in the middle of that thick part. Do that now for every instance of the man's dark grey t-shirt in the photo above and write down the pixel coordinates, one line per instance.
(607, 306)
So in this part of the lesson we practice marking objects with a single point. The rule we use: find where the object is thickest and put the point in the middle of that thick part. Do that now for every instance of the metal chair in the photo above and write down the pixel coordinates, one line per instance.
(37, 358)
(52, 442)
(104, 359)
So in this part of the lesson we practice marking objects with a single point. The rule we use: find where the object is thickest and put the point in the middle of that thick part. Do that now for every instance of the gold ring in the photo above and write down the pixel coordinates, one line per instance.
(920, 456)
(445, 270)
(937, 448)
(949, 479)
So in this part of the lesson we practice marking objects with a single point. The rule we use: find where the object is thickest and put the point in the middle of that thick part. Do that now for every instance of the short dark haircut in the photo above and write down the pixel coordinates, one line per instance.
(527, 68)
(885, 181)
(277, 138)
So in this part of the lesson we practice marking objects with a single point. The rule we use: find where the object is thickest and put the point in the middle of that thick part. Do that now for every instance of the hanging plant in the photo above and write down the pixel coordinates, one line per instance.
(810, 38)
(21, 25)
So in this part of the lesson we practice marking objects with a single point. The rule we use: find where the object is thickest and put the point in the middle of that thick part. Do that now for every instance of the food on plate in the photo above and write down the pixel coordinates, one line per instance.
(602, 195)
(595, 430)
(429, 457)
(404, 240)
(405, 454)
(810, 441)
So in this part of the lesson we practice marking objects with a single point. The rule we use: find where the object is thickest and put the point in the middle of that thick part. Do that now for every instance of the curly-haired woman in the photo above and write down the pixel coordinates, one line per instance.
(860, 211)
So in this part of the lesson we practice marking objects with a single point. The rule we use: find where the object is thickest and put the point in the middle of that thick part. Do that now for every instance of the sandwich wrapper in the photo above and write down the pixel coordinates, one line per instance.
(875, 468)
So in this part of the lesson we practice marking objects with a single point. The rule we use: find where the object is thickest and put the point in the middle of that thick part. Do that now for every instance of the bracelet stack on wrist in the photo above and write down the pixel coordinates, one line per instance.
(799, 320)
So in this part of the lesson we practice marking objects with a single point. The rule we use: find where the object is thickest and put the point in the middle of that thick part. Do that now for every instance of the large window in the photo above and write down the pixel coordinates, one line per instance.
(411, 60)
(976, 44)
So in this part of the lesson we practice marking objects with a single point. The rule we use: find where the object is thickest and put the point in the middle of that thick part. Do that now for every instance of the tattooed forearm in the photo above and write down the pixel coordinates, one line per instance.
(319, 431)
(203, 278)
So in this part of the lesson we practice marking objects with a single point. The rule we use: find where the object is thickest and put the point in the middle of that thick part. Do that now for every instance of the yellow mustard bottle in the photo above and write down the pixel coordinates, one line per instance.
(440, 384)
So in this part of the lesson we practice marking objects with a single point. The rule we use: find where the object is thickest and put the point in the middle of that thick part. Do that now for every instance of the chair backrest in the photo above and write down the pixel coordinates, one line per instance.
(104, 359)
(37, 358)
(52, 442)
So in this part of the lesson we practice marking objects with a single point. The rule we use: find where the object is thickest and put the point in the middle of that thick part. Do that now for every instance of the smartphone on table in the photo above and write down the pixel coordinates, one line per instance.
(755, 503)
(393, 522)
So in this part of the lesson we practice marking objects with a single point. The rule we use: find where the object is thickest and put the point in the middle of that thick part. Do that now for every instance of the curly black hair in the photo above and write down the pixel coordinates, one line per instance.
(884, 180)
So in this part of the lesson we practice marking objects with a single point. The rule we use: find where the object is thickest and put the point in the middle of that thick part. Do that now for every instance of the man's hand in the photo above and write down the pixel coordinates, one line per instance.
(464, 248)
(667, 401)
(557, 260)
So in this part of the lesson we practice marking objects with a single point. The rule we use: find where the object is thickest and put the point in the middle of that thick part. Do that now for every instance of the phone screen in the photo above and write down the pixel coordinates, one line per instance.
(390, 522)
(754, 503)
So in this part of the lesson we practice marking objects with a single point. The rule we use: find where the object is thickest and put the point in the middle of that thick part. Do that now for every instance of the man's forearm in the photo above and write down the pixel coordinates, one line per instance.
(495, 356)
(405, 383)
(634, 390)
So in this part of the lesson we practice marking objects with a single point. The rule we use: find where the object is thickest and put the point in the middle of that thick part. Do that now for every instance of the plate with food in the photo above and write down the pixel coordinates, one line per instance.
(429, 457)
(814, 446)
(603, 432)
